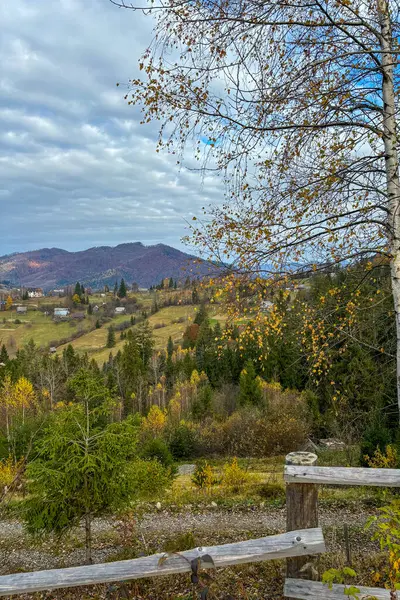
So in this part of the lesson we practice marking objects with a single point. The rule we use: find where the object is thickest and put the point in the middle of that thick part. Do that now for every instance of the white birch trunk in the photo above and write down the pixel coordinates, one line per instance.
(391, 165)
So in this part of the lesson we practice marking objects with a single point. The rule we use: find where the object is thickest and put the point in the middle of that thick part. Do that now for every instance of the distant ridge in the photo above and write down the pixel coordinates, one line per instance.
(50, 268)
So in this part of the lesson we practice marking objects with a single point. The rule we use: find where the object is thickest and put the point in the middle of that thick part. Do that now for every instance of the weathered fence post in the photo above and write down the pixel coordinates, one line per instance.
(301, 510)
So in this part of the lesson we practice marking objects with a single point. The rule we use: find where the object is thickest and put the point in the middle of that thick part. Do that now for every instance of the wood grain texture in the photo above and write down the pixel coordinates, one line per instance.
(301, 511)
(342, 476)
(315, 590)
(294, 543)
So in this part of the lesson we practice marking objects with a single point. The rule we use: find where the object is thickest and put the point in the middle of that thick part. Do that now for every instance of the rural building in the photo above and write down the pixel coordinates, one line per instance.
(52, 350)
(120, 310)
(61, 312)
(78, 315)
(95, 308)
(22, 310)
(35, 293)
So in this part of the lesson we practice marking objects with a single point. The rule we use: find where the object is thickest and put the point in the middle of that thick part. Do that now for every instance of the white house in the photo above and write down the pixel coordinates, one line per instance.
(22, 310)
(120, 310)
(61, 312)
(35, 293)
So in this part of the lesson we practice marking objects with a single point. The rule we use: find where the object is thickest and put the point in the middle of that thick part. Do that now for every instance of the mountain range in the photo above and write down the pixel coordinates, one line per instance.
(51, 268)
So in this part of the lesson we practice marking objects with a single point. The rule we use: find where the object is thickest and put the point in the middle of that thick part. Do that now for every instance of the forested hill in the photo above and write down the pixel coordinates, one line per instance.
(146, 265)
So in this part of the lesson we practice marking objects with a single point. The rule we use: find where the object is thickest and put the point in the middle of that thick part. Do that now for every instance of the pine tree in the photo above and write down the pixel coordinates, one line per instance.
(98, 325)
(201, 315)
(250, 389)
(90, 309)
(78, 289)
(111, 337)
(83, 469)
(115, 288)
(122, 289)
(195, 295)
(171, 283)
(4, 358)
(170, 347)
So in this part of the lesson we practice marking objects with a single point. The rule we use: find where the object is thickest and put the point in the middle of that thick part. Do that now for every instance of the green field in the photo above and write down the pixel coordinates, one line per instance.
(45, 332)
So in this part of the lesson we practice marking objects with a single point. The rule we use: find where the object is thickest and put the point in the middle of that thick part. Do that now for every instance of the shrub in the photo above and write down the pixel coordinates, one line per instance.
(17, 322)
(183, 441)
(159, 325)
(203, 476)
(8, 472)
(157, 448)
(234, 476)
(383, 460)
(271, 491)
(376, 436)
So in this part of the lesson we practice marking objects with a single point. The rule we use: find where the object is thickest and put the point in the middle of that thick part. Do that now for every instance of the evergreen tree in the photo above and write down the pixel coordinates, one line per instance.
(175, 284)
(78, 289)
(170, 347)
(111, 337)
(115, 288)
(90, 309)
(250, 389)
(83, 469)
(4, 358)
(171, 283)
(195, 295)
(122, 289)
(201, 314)
(98, 324)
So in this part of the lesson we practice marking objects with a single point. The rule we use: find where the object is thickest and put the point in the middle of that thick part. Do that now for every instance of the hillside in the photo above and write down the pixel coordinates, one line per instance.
(146, 265)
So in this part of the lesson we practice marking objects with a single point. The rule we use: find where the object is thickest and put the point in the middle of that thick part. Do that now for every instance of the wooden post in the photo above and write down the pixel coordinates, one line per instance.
(301, 511)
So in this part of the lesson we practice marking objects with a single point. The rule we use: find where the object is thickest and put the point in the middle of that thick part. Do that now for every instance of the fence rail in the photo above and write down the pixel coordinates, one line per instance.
(315, 590)
(293, 543)
(342, 476)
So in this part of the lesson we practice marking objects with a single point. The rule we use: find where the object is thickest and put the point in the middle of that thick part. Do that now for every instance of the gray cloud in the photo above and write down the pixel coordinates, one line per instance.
(76, 168)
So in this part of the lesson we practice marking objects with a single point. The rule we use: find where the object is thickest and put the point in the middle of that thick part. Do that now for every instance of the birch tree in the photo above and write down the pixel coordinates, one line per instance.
(296, 105)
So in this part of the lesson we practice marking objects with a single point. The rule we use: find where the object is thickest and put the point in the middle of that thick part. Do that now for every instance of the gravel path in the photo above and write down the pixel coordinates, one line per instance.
(211, 526)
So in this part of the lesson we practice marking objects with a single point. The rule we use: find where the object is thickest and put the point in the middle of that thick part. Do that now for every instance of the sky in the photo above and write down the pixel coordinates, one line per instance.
(76, 167)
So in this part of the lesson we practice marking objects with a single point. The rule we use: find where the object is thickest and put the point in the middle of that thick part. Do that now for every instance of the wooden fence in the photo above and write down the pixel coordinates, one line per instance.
(302, 478)
(302, 539)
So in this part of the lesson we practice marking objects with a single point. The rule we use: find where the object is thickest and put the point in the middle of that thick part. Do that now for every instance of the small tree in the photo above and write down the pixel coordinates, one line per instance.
(250, 389)
(4, 358)
(9, 302)
(76, 299)
(122, 289)
(82, 471)
(90, 309)
(171, 283)
(115, 288)
(78, 289)
(111, 337)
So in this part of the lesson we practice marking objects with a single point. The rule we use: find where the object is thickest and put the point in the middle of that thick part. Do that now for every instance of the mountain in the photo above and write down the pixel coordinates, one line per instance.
(51, 268)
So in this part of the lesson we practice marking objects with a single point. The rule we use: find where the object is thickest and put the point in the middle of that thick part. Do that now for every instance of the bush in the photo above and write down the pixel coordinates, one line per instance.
(157, 448)
(271, 491)
(182, 442)
(281, 427)
(203, 476)
(17, 322)
(234, 476)
(376, 436)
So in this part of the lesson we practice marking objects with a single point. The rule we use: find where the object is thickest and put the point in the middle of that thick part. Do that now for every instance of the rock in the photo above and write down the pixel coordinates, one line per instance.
(214, 504)
(332, 444)
(186, 469)
(158, 505)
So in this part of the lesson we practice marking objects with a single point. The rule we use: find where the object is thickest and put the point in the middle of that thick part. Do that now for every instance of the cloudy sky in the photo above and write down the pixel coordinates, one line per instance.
(76, 168)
